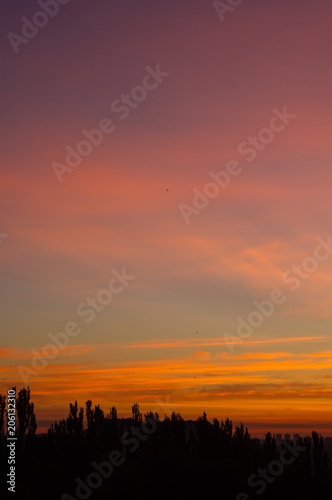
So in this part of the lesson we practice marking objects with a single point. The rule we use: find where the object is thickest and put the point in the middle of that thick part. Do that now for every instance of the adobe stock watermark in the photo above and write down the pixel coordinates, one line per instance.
(295, 277)
(40, 19)
(122, 107)
(248, 148)
(86, 310)
(131, 441)
(263, 477)
(222, 8)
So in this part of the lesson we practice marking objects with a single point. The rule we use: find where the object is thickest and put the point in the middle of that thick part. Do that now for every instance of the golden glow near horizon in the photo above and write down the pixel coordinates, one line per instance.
(210, 187)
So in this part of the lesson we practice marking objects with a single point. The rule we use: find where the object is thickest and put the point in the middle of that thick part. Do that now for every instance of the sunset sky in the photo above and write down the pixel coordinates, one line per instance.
(161, 340)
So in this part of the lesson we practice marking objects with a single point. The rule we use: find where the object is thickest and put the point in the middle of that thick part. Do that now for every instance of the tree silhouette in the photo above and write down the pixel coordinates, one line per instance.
(113, 414)
(74, 421)
(269, 447)
(25, 411)
(136, 414)
(193, 458)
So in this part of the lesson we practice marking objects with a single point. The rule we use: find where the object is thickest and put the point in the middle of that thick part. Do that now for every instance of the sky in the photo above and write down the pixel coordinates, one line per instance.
(182, 91)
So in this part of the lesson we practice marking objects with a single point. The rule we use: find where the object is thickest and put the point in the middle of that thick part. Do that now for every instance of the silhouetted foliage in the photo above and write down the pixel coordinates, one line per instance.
(136, 414)
(25, 412)
(190, 459)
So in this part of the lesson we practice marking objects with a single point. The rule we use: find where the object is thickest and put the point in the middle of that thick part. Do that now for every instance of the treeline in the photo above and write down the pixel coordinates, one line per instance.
(96, 453)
